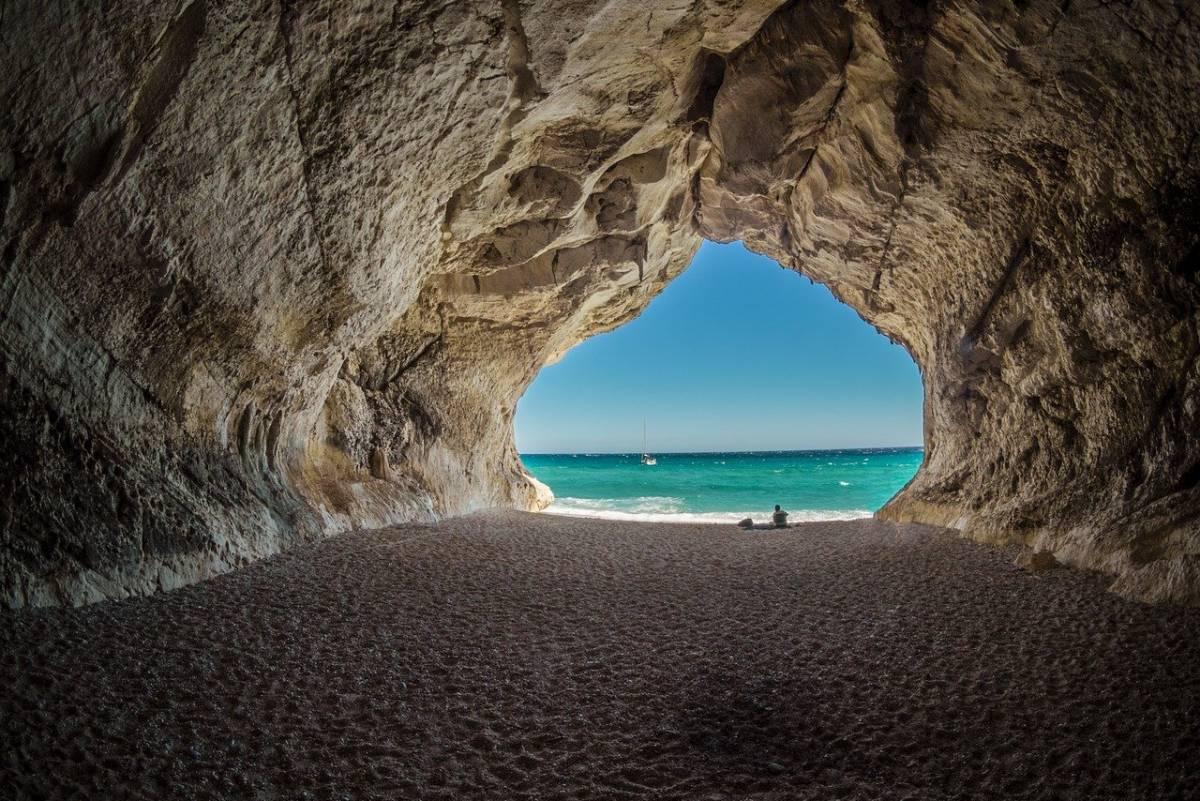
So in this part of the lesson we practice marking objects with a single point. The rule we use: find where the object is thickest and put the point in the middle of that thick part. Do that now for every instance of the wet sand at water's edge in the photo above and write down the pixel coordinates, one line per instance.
(513, 656)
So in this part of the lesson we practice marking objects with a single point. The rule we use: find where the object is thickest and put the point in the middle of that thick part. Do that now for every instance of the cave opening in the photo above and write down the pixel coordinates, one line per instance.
(741, 385)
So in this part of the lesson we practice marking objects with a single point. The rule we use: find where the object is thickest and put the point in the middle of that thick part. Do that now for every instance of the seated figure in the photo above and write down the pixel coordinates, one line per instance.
(779, 519)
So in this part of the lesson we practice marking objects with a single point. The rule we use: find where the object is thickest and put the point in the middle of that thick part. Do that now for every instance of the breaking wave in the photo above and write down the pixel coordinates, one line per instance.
(666, 509)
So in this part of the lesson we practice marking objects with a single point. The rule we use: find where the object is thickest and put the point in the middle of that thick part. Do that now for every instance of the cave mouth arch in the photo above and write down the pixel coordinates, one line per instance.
(737, 363)
(311, 300)
(929, 178)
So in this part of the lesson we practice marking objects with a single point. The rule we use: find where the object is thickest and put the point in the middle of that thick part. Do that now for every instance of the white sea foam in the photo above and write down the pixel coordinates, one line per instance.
(645, 504)
(658, 509)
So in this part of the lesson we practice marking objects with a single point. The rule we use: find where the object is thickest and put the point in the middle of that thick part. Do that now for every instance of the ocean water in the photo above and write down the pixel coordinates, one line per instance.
(725, 487)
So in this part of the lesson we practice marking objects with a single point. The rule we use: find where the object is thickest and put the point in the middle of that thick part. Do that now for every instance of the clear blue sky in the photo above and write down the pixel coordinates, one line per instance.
(736, 354)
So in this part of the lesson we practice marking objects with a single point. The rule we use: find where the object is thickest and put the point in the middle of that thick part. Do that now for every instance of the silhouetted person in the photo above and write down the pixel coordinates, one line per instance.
(779, 519)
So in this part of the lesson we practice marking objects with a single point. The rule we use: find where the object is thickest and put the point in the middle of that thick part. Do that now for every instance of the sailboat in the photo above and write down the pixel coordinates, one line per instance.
(647, 459)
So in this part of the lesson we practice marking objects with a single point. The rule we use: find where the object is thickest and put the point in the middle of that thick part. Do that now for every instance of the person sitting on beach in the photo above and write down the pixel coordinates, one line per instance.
(779, 519)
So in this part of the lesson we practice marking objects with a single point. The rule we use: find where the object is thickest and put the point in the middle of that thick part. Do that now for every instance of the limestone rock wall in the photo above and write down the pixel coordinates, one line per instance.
(271, 270)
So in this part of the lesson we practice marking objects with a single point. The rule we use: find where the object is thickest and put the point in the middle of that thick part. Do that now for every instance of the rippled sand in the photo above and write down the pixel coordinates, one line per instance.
(515, 656)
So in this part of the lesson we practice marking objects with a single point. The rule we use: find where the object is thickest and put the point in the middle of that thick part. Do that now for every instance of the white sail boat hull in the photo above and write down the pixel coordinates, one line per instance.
(647, 459)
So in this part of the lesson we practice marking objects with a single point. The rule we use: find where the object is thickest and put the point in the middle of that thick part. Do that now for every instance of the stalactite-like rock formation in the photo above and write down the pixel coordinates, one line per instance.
(272, 269)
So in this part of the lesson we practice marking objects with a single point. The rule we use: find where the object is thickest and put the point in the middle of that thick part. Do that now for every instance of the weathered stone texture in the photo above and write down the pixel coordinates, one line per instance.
(274, 269)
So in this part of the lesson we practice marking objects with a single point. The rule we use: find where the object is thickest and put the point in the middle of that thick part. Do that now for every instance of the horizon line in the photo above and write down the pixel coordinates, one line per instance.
(688, 453)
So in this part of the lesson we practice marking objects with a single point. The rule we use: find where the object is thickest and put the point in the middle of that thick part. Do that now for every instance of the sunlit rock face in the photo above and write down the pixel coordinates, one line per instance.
(274, 270)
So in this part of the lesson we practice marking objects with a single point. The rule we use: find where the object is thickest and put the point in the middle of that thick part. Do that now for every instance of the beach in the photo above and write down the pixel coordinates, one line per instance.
(520, 656)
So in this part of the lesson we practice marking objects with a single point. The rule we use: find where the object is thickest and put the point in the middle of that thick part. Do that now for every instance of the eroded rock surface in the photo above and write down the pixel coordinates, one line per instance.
(274, 270)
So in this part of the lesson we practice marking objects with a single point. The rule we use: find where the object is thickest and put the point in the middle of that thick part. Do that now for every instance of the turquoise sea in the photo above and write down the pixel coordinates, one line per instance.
(725, 487)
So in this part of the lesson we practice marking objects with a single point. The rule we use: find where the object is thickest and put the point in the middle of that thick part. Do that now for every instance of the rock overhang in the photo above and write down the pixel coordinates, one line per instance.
(288, 270)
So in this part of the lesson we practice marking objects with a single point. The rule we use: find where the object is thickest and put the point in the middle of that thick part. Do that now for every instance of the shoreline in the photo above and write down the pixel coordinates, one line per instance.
(721, 488)
(800, 517)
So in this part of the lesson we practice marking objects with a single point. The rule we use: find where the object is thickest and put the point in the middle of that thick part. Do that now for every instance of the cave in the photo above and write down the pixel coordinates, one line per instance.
(274, 276)
(273, 272)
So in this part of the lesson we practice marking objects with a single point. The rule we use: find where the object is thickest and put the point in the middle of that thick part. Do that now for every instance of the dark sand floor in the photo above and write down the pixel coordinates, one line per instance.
(520, 657)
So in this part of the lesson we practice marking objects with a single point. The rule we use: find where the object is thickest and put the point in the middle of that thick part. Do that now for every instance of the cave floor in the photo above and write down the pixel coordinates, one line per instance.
(514, 656)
